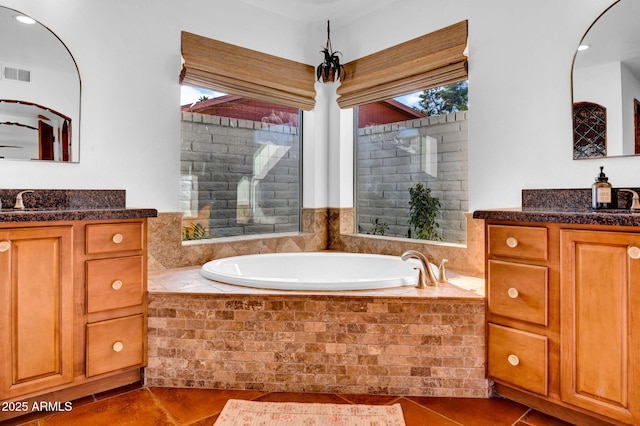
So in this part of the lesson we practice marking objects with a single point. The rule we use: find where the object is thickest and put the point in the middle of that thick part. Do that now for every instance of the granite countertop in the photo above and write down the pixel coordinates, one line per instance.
(44, 205)
(39, 215)
(613, 217)
(565, 206)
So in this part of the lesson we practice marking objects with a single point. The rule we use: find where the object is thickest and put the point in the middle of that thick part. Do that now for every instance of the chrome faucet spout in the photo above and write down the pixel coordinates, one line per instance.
(19, 204)
(426, 276)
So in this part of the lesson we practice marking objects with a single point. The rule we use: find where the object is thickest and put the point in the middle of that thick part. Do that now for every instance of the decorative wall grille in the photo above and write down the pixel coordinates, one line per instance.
(589, 130)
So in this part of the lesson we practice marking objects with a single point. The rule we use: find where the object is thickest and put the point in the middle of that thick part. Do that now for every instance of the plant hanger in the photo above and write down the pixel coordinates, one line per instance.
(330, 69)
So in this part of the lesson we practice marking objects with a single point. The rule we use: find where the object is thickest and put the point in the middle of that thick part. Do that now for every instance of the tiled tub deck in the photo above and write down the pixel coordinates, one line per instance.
(400, 341)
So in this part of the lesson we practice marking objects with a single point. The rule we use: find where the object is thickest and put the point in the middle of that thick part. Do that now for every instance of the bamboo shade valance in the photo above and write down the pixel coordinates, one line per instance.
(432, 60)
(239, 71)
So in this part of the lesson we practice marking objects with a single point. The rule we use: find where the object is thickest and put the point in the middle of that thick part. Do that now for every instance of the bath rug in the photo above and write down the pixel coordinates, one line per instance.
(253, 413)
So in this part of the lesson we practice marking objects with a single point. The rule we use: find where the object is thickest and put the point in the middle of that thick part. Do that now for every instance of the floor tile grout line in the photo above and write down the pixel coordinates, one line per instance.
(255, 397)
(521, 418)
(212, 414)
(432, 410)
(161, 406)
(344, 399)
(393, 401)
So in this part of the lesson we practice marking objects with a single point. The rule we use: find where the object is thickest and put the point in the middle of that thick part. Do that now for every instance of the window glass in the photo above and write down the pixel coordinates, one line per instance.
(240, 166)
(412, 165)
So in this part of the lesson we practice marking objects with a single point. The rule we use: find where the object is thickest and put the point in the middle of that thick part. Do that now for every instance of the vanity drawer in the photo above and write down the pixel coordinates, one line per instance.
(518, 291)
(518, 357)
(524, 242)
(115, 344)
(114, 283)
(114, 237)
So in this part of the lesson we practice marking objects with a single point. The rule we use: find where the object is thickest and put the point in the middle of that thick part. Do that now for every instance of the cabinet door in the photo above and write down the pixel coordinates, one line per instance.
(600, 325)
(36, 309)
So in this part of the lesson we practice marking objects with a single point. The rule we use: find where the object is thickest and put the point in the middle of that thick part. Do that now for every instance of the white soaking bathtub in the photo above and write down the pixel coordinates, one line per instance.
(313, 271)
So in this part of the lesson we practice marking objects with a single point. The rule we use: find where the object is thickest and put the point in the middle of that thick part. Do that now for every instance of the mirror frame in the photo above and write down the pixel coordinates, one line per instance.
(589, 112)
(44, 109)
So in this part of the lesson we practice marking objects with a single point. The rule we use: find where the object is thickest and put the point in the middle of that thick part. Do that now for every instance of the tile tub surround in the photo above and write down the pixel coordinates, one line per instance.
(167, 250)
(401, 341)
(466, 258)
(322, 229)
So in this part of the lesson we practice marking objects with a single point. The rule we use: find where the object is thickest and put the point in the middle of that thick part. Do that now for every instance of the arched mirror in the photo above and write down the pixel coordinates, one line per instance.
(39, 92)
(606, 85)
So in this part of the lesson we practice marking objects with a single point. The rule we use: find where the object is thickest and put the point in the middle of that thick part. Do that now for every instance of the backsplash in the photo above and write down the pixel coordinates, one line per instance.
(65, 199)
(569, 199)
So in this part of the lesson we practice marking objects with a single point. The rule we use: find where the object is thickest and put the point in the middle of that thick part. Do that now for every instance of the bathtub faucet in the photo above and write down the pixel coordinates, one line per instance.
(426, 274)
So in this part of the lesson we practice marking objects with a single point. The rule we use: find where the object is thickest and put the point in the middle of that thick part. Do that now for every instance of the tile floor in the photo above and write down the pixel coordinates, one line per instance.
(158, 406)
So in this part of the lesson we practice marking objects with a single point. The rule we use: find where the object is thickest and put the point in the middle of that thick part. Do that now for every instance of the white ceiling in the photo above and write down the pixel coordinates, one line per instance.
(313, 12)
(615, 37)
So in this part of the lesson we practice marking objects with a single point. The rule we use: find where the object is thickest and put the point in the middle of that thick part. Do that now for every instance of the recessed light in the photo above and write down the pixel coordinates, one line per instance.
(25, 19)
(583, 47)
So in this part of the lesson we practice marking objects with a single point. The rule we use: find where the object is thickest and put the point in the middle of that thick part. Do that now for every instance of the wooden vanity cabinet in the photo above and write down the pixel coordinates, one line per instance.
(517, 306)
(36, 309)
(600, 328)
(115, 277)
(563, 328)
(72, 308)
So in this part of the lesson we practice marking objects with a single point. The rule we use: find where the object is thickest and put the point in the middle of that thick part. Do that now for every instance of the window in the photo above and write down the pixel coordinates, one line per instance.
(412, 144)
(240, 161)
(399, 147)
(240, 153)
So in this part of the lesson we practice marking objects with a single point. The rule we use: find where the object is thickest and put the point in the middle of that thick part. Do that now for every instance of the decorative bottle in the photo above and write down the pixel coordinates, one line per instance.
(601, 192)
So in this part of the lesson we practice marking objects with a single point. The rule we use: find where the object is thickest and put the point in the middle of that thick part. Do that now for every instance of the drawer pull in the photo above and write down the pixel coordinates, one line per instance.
(513, 293)
(512, 242)
(513, 360)
(117, 238)
(116, 285)
(632, 251)
(4, 245)
(118, 346)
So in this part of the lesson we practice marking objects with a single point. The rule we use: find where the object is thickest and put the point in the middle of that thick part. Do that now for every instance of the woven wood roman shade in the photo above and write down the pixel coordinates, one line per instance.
(432, 60)
(239, 71)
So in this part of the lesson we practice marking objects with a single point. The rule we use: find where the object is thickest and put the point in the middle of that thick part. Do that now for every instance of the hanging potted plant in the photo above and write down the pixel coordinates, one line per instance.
(330, 69)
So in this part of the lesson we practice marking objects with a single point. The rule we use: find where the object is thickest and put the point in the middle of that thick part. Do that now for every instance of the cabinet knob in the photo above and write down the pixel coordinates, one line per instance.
(118, 346)
(632, 251)
(513, 360)
(4, 246)
(116, 285)
(117, 238)
(512, 242)
(513, 293)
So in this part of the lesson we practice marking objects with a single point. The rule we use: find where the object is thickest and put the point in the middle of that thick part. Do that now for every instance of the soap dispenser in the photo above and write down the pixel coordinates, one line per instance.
(601, 192)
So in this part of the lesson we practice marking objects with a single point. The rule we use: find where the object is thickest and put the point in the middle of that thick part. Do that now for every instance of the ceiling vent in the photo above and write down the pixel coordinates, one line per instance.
(17, 74)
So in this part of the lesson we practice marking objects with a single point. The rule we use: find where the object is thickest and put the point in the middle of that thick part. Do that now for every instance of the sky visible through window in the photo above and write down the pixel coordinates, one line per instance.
(190, 95)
